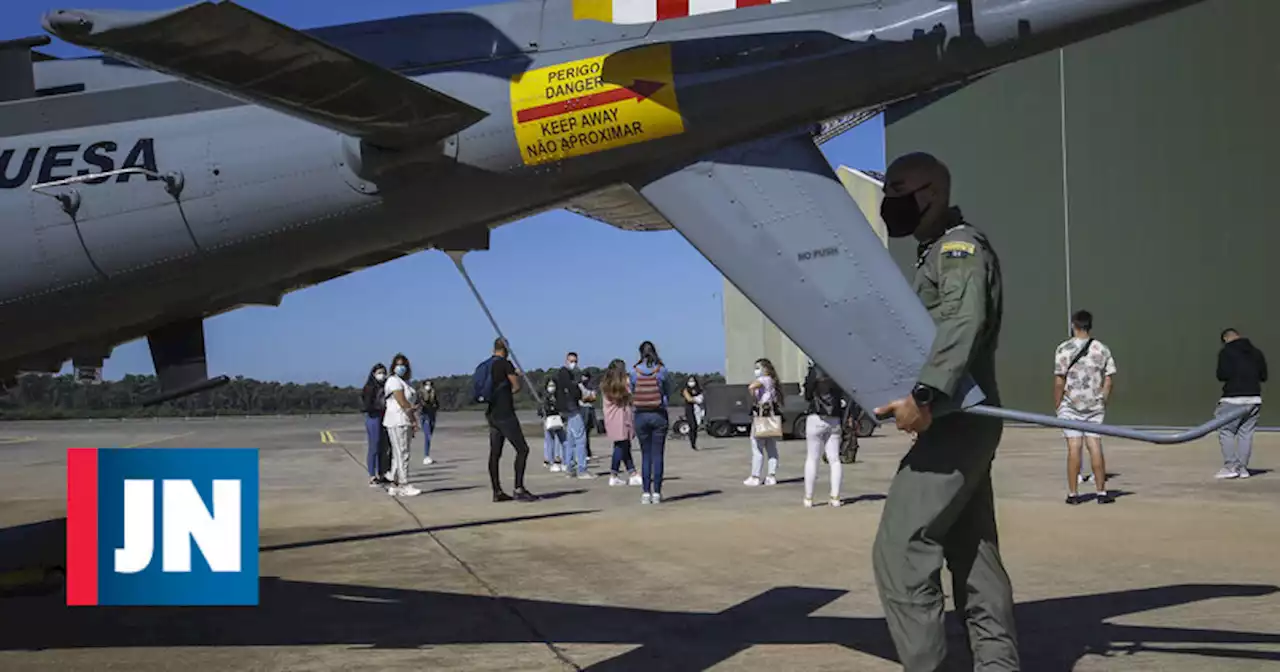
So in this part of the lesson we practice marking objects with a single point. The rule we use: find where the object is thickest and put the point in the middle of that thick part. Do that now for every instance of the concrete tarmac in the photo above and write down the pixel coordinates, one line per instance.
(1180, 574)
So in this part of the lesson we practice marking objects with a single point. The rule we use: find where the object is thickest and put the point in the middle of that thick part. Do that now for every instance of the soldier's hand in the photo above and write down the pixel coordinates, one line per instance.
(907, 415)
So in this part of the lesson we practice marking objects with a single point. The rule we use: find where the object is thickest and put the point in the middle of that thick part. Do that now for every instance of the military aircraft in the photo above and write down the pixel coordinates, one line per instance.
(215, 158)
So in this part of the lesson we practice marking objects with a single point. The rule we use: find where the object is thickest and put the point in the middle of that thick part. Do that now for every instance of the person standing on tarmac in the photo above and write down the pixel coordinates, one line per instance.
(588, 410)
(693, 410)
(569, 400)
(378, 458)
(648, 381)
(940, 504)
(400, 421)
(504, 425)
(430, 403)
(822, 432)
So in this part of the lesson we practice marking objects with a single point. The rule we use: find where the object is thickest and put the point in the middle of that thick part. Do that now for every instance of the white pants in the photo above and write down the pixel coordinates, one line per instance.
(758, 448)
(822, 433)
(399, 454)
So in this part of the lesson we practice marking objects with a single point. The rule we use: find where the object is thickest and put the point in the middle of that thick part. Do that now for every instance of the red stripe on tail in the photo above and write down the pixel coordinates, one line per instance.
(82, 526)
(672, 9)
(753, 3)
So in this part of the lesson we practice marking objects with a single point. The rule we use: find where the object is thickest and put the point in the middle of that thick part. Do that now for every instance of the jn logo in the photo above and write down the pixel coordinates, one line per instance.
(134, 517)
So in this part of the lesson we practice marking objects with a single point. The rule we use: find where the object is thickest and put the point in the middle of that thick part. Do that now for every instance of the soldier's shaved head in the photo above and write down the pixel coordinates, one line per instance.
(921, 178)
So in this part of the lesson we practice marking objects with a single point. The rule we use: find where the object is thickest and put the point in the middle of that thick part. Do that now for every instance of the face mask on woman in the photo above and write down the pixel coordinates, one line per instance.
(551, 388)
(426, 387)
(759, 372)
(692, 383)
(401, 370)
(380, 376)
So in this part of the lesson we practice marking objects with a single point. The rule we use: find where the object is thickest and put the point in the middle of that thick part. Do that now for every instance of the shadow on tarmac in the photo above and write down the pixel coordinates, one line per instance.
(417, 530)
(1053, 633)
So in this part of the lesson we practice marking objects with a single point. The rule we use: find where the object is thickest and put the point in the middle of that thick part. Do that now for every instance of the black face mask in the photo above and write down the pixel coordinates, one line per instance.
(901, 215)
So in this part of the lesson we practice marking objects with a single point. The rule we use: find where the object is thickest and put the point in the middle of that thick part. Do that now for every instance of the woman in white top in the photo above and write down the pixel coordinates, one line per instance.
(768, 398)
(400, 422)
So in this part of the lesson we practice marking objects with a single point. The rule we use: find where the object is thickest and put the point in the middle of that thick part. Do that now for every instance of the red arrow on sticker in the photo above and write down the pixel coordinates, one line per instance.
(639, 90)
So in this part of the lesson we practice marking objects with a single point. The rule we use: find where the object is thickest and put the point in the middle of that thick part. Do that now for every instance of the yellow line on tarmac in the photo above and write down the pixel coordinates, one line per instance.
(10, 440)
(327, 436)
(158, 440)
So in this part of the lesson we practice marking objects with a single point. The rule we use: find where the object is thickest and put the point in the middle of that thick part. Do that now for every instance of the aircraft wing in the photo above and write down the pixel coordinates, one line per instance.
(775, 219)
(232, 50)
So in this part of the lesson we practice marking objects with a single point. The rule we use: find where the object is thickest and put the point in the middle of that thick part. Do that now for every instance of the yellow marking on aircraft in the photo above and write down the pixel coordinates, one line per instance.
(595, 104)
(158, 440)
(596, 10)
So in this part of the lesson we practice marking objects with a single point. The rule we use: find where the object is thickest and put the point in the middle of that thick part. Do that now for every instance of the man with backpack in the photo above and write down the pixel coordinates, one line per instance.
(494, 384)
(1082, 371)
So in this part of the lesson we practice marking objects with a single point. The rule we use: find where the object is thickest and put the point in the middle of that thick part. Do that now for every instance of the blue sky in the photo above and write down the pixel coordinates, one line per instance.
(335, 331)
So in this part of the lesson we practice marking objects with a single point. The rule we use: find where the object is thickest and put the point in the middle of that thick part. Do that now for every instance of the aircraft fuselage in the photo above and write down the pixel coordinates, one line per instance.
(229, 204)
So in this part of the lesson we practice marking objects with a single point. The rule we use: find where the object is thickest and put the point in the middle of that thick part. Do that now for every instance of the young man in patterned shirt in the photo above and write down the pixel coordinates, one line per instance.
(1082, 370)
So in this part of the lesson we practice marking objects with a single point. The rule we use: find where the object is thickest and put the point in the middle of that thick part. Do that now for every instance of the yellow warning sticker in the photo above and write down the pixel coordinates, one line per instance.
(588, 106)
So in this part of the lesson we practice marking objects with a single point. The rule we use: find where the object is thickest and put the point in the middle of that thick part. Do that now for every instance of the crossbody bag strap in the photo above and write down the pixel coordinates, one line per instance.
(1080, 355)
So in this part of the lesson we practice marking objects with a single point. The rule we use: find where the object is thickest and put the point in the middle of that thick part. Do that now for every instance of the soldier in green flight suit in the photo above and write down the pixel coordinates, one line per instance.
(940, 504)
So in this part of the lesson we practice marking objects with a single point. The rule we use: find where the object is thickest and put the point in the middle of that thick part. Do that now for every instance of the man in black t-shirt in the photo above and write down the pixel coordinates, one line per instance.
(504, 425)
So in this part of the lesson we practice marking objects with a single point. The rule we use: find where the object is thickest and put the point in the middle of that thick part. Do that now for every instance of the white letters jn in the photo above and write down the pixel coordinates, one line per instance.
(185, 519)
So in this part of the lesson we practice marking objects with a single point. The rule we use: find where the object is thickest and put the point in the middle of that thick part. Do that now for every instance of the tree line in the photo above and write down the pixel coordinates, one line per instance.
(44, 397)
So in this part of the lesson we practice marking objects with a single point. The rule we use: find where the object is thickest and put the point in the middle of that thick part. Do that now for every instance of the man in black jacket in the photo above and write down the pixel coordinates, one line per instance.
(1242, 369)
(569, 400)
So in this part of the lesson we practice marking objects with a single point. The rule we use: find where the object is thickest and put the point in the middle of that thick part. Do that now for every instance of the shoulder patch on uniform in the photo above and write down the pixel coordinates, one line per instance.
(958, 249)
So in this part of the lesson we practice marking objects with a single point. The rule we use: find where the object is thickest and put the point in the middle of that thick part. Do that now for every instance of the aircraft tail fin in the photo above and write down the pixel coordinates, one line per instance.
(775, 219)
(648, 11)
(242, 54)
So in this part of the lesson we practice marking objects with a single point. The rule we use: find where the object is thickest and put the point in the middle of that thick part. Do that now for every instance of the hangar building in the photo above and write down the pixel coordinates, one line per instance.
(1132, 175)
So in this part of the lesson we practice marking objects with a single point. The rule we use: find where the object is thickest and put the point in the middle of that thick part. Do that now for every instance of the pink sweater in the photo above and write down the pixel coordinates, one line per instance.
(619, 421)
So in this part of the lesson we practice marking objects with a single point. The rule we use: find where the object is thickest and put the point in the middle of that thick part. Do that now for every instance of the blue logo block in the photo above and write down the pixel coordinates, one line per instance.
(174, 526)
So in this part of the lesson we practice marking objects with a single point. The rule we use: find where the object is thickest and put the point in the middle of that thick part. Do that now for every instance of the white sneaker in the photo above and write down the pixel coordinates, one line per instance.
(586, 475)
(410, 491)
(1242, 472)
(834, 500)
(427, 461)
(1226, 473)
(556, 468)
(808, 503)
(655, 498)
(614, 480)
(770, 480)
(752, 482)
(634, 480)
(645, 498)
(393, 490)
(1083, 478)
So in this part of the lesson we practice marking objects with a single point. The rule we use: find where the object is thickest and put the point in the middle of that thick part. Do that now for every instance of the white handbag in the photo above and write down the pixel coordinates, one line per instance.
(554, 422)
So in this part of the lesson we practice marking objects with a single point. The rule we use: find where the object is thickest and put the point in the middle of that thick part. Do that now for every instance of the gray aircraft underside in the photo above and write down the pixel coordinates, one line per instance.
(243, 159)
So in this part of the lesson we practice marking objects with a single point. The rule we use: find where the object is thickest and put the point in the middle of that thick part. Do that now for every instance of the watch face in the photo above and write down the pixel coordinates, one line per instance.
(922, 395)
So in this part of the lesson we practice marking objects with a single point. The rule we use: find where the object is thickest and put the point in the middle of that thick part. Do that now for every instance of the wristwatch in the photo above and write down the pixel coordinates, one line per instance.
(924, 395)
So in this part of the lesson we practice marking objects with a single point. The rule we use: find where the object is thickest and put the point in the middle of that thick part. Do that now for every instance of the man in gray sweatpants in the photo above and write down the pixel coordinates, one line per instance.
(940, 504)
(1242, 368)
